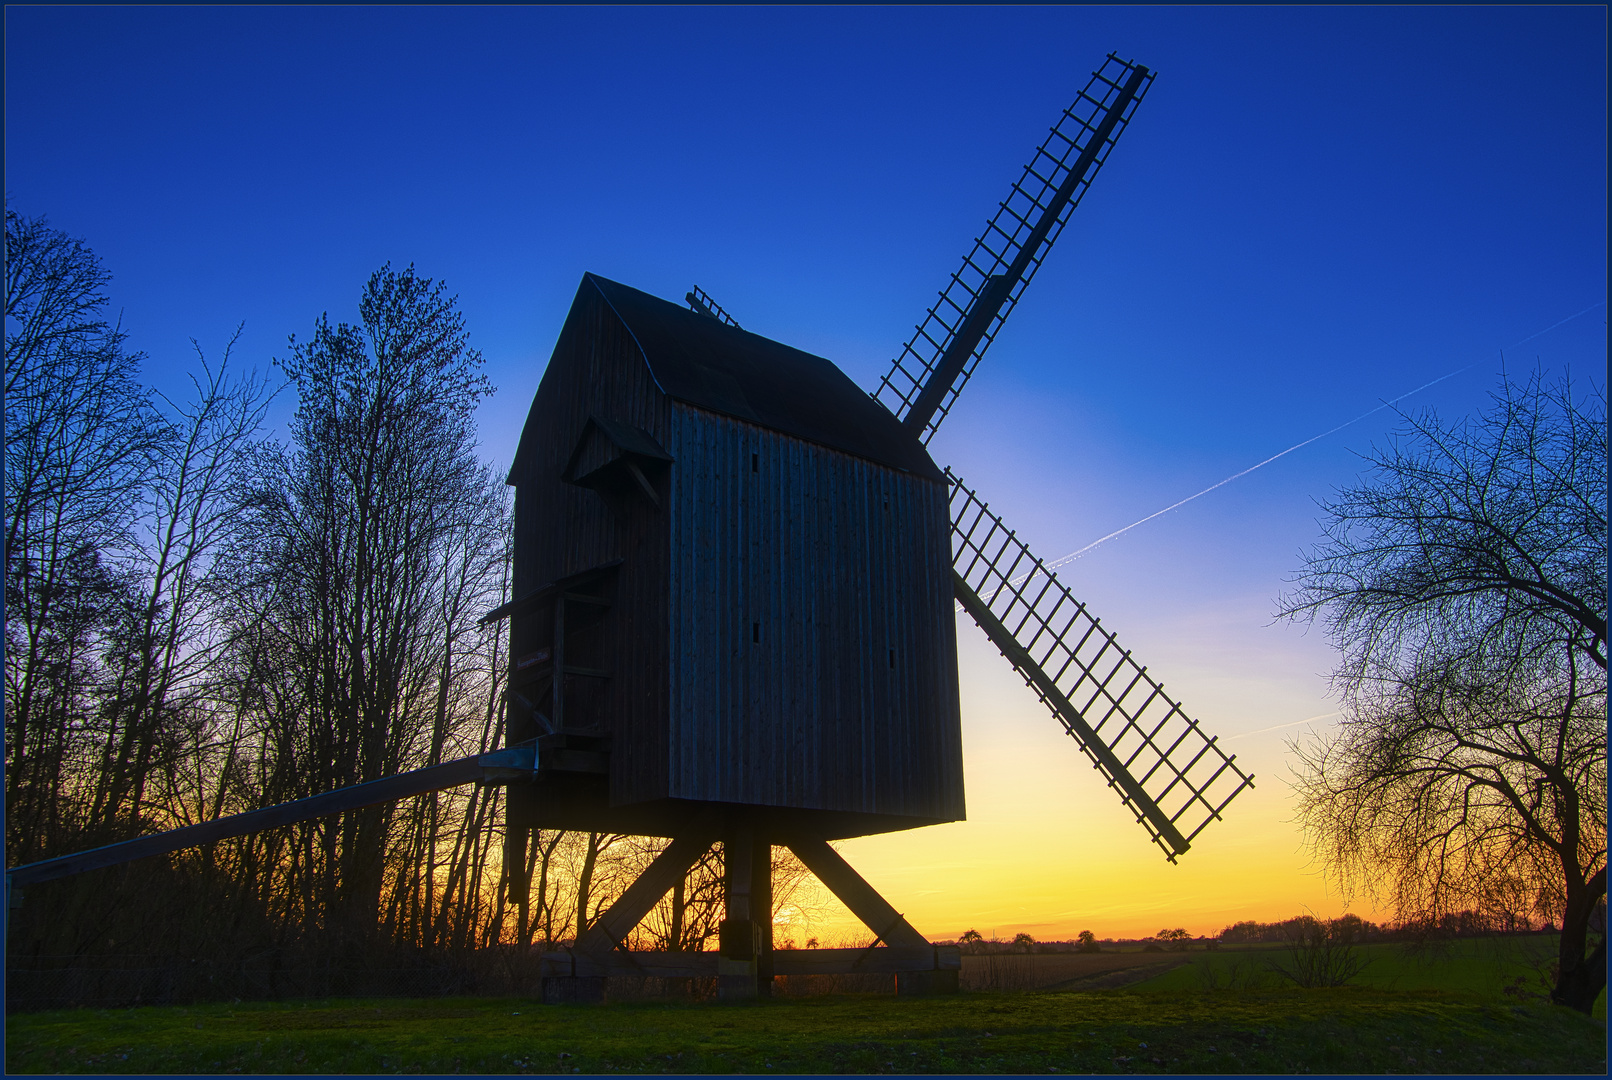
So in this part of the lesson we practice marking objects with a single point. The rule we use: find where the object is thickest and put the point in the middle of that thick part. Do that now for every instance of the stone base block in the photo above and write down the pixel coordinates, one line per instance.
(736, 979)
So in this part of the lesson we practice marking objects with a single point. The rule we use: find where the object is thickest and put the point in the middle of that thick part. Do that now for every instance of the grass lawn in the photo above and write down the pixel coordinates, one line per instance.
(1481, 966)
(1195, 1031)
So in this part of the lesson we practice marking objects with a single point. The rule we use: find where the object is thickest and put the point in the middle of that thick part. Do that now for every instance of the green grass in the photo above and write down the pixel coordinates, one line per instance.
(1231, 1031)
(1478, 966)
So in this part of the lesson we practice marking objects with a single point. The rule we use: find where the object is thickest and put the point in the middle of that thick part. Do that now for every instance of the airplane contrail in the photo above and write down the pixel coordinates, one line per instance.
(1073, 555)
(1570, 318)
(1279, 727)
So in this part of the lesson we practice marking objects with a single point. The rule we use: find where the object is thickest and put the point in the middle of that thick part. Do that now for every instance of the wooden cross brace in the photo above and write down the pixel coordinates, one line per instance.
(746, 962)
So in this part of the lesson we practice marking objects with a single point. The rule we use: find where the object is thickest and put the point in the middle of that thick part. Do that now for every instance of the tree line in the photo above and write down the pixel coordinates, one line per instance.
(1451, 924)
(202, 620)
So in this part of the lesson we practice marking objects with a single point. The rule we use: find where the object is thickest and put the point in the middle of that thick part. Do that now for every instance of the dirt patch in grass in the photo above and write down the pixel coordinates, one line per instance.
(1045, 971)
(1119, 976)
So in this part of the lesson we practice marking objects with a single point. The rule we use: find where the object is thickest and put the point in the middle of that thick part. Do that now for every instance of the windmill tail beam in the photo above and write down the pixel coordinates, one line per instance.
(497, 767)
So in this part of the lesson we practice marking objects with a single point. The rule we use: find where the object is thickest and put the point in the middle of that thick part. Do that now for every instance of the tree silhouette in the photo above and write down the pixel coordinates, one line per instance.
(1465, 587)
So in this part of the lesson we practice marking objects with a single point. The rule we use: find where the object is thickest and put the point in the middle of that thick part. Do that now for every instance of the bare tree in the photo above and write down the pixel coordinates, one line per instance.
(1465, 585)
(365, 553)
(80, 437)
(1485, 539)
(156, 720)
(1320, 952)
(198, 625)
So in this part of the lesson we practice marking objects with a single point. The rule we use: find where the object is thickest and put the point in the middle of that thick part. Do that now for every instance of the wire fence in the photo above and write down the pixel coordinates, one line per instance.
(66, 982)
(69, 982)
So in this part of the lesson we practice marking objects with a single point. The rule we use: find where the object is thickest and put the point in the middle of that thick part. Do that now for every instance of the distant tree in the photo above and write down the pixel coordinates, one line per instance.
(1465, 585)
(1088, 942)
(1176, 940)
(1023, 942)
(1244, 932)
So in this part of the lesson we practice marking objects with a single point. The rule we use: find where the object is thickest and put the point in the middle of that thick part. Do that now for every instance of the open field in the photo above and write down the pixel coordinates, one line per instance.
(1117, 1012)
(1483, 966)
(1227, 1031)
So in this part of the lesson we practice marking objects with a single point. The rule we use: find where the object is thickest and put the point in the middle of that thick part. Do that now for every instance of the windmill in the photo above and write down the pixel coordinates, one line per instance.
(732, 622)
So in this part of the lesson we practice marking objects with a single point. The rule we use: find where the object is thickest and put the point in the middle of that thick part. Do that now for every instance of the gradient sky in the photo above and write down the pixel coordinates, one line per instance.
(1315, 210)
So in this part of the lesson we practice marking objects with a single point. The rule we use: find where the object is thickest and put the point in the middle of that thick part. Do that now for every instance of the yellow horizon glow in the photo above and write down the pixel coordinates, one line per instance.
(1048, 850)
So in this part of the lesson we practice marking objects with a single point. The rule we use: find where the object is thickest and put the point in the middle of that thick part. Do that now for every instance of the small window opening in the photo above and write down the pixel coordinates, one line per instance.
(755, 633)
(892, 659)
(755, 463)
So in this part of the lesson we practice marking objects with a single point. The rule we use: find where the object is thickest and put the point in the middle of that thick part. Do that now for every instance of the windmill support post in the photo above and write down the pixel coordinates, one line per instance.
(745, 962)
(744, 958)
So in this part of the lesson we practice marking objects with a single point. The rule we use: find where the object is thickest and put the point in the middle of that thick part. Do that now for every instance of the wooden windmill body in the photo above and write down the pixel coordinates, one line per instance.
(739, 564)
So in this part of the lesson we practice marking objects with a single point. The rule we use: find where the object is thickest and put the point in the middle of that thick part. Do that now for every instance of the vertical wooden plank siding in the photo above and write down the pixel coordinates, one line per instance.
(796, 574)
(561, 529)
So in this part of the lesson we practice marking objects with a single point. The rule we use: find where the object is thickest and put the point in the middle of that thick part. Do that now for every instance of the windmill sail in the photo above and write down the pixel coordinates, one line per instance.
(935, 365)
(1172, 776)
(699, 300)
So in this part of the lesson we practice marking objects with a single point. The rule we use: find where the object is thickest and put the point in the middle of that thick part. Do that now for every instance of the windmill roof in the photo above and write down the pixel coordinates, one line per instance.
(704, 362)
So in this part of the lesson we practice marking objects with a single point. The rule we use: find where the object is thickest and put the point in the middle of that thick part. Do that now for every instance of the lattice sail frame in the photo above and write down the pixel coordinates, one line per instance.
(1004, 237)
(700, 300)
(1136, 735)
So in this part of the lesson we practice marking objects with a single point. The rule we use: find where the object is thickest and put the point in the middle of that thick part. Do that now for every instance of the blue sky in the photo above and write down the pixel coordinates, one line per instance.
(1314, 210)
